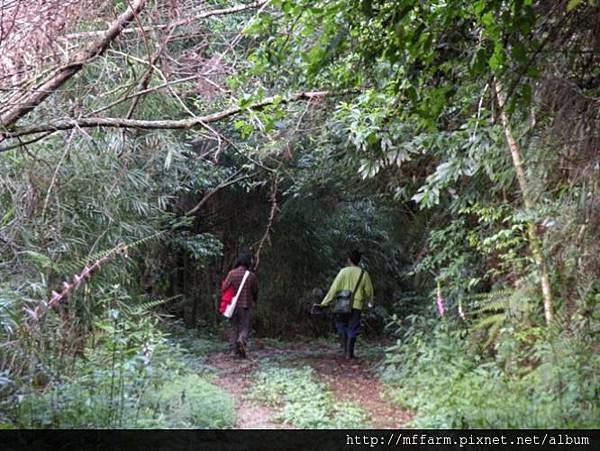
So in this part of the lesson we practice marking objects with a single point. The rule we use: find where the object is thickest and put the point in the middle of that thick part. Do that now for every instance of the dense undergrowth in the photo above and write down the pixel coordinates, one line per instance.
(132, 375)
(529, 380)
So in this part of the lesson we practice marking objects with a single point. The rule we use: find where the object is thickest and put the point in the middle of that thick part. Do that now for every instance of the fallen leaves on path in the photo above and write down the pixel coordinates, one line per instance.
(352, 381)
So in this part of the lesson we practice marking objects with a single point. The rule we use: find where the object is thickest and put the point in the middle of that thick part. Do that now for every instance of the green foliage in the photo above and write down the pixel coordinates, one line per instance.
(303, 401)
(450, 386)
(406, 159)
(194, 344)
(9, 319)
(201, 247)
(131, 376)
(190, 402)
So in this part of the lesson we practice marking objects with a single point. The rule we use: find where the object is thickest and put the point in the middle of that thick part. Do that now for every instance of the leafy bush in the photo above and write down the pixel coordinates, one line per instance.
(131, 376)
(449, 386)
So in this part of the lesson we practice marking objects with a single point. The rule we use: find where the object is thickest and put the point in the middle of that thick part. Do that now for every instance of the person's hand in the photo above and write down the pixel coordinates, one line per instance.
(370, 305)
(316, 309)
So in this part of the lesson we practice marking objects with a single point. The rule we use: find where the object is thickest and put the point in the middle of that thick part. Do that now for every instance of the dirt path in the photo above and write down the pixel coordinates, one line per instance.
(353, 381)
(234, 377)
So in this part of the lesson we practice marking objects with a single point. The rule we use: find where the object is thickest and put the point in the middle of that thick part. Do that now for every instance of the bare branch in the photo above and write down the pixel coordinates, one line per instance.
(144, 92)
(204, 15)
(59, 76)
(232, 180)
(198, 121)
(274, 210)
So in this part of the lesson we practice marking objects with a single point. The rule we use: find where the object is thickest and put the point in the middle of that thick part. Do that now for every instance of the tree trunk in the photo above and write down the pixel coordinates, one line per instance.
(534, 240)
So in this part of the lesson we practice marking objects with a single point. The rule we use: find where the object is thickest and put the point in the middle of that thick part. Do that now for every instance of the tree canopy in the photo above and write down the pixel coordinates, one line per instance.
(455, 143)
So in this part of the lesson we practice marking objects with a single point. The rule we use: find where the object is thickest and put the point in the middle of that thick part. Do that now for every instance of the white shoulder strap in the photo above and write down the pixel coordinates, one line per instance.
(242, 284)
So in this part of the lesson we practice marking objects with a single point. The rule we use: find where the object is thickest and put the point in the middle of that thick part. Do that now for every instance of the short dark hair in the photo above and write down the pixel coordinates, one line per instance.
(354, 256)
(244, 259)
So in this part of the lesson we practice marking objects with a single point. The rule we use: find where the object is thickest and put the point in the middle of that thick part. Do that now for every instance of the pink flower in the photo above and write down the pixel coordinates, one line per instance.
(440, 301)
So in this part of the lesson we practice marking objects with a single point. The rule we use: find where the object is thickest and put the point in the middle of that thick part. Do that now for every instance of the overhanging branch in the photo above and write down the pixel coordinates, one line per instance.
(185, 21)
(198, 121)
(62, 74)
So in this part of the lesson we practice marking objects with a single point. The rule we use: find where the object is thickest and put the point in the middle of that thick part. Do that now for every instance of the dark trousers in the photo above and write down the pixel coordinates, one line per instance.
(240, 326)
(348, 323)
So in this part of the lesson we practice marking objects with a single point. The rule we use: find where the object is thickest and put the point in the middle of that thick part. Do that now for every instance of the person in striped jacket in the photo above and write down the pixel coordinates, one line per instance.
(241, 319)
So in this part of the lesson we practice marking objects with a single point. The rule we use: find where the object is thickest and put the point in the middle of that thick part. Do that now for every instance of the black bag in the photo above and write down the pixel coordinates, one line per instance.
(344, 300)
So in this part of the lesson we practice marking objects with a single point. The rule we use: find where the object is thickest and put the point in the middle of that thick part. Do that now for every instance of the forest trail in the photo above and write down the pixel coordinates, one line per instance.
(352, 381)
(234, 376)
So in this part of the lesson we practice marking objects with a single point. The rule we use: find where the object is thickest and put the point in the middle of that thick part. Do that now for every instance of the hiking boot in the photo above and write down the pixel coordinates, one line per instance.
(241, 349)
(351, 343)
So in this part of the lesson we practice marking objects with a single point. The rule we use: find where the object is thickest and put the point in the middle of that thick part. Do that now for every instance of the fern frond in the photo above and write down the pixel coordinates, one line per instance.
(489, 320)
(493, 333)
(145, 307)
(492, 301)
(505, 292)
(71, 267)
(122, 248)
(90, 267)
(493, 306)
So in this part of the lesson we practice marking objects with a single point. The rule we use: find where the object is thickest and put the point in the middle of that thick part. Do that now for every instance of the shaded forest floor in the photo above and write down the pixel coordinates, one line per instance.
(351, 383)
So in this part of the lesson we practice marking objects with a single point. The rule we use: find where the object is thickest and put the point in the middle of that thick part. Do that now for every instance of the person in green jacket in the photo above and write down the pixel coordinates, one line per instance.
(347, 324)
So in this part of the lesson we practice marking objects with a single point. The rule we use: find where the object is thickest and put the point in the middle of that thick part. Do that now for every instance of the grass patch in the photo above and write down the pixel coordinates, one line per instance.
(189, 402)
(304, 401)
(449, 386)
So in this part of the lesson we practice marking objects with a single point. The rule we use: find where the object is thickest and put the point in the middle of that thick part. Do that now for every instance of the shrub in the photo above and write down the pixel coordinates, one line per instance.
(439, 376)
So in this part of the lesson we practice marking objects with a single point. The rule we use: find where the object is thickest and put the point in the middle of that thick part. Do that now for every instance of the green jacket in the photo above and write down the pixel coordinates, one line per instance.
(346, 280)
